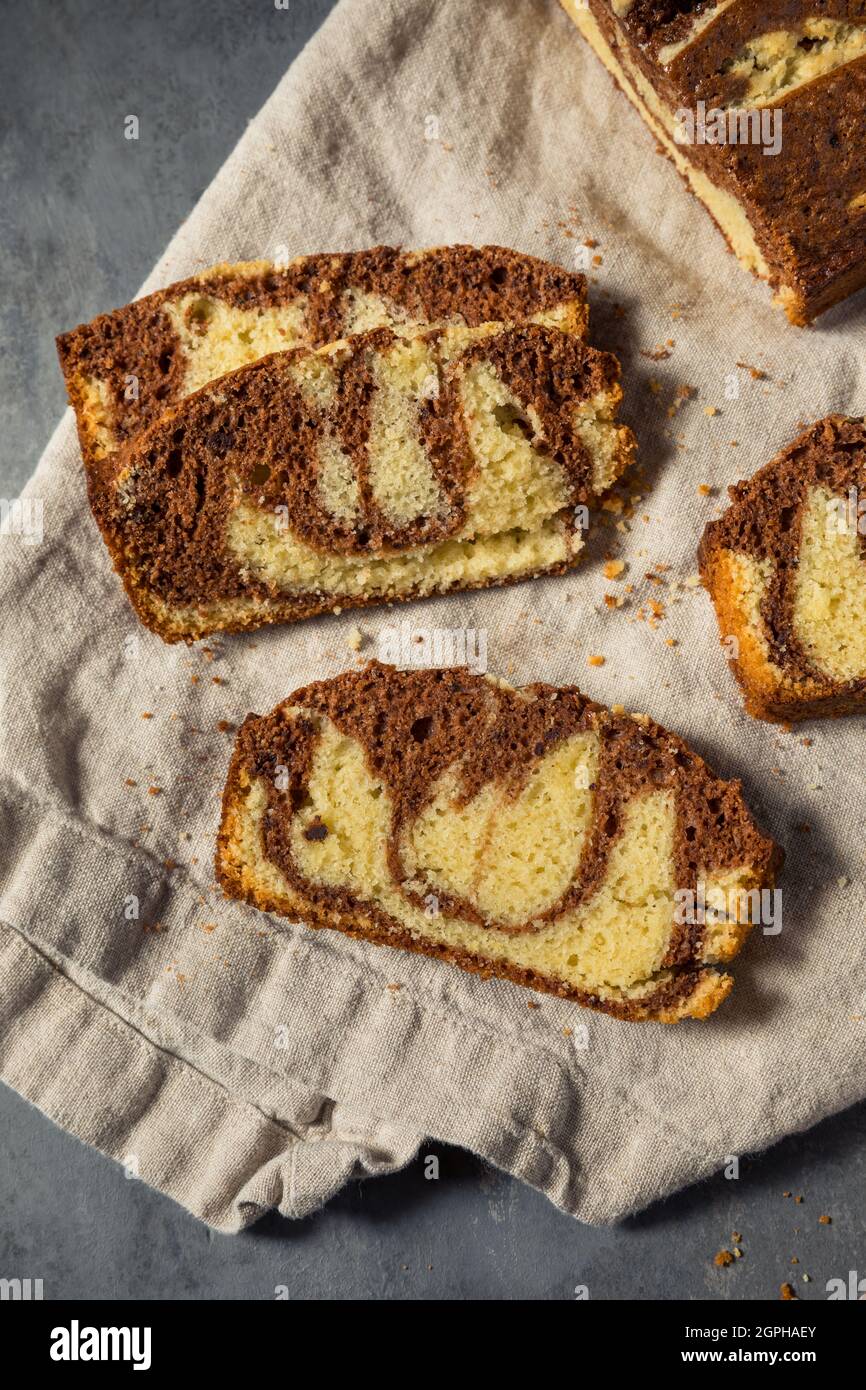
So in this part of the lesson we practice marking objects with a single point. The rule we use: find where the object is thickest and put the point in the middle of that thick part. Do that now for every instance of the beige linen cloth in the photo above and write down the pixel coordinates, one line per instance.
(237, 1062)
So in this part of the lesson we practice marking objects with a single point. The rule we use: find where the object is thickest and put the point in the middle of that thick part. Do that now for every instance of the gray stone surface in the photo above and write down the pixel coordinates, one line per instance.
(83, 216)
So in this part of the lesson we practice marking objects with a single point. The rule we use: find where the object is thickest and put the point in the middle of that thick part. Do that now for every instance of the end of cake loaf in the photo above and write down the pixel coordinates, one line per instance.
(759, 114)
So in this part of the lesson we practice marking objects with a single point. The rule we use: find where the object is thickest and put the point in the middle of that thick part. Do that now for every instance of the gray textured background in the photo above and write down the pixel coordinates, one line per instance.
(83, 216)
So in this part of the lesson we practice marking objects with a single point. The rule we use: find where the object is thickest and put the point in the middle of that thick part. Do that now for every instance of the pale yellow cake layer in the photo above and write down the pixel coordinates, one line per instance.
(779, 62)
(830, 590)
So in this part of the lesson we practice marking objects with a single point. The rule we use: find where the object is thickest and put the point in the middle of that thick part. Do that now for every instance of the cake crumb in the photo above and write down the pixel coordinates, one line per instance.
(154, 791)
(754, 372)
(659, 354)
(613, 569)
(711, 410)
(705, 490)
(723, 1259)
(147, 714)
(596, 660)
(354, 639)
(787, 1293)
(826, 1220)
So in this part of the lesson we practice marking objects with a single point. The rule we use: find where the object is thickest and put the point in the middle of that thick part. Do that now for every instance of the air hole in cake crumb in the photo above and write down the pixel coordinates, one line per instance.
(174, 463)
(317, 830)
(690, 832)
(421, 728)
(164, 360)
(199, 311)
(512, 420)
(499, 275)
(611, 825)
(261, 473)
(786, 516)
(221, 441)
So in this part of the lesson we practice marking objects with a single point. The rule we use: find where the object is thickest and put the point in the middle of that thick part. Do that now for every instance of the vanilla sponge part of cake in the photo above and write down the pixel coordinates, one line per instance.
(125, 368)
(528, 834)
(786, 569)
(376, 468)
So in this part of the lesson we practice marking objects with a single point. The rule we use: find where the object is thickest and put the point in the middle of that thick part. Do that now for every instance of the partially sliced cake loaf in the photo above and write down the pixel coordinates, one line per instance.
(786, 569)
(376, 468)
(759, 103)
(529, 834)
(125, 368)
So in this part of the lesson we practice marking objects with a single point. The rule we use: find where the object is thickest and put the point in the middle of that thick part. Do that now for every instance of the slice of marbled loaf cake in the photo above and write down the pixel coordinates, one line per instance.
(373, 469)
(786, 569)
(529, 834)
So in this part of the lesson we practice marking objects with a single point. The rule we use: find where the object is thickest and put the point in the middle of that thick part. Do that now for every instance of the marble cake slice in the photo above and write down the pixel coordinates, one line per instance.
(529, 834)
(373, 469)
(786, 569)
(125, 368)
(778, 76)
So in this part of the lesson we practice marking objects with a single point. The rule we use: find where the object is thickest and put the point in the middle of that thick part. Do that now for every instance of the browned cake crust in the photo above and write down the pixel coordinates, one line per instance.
(775, 662)
(413, 728)
(164, 502)
(136, 354)
(807, 203)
